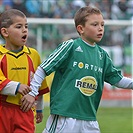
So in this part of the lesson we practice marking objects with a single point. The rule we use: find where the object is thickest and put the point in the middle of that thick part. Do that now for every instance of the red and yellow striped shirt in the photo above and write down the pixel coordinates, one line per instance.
(19, 67)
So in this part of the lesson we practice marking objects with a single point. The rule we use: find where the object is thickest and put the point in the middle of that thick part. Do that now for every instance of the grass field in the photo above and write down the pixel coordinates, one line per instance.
(111, 120)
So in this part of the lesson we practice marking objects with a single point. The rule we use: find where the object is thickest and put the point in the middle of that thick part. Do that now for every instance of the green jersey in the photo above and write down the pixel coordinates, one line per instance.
(80, 71)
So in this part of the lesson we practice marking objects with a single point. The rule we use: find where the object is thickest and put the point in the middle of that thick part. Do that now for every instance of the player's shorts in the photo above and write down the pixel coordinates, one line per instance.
(59, 124)
(13, 120)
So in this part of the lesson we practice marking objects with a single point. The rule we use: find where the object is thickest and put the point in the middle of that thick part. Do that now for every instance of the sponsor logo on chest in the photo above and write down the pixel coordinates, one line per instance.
(87, 85)
(91, 67)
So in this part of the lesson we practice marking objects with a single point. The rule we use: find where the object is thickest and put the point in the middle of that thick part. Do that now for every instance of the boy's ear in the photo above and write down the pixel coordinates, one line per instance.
(80, 29)
(4, 32)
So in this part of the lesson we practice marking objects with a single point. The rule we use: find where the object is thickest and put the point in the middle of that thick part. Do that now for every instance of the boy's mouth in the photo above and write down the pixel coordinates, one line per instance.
(24, 37)
(99, 35)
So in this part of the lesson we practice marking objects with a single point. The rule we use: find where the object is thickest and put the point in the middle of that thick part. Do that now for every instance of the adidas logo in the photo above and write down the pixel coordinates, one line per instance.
(79, 49)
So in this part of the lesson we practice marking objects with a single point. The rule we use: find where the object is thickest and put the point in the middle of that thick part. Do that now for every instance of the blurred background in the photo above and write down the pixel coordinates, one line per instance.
(51, 22)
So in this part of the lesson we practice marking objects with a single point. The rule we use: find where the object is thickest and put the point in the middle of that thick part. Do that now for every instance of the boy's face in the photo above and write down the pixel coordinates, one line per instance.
(93, 30)
(17, 34)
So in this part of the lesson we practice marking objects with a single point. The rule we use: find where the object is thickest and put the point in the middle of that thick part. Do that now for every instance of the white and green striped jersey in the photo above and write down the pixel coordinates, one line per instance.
(80, 71)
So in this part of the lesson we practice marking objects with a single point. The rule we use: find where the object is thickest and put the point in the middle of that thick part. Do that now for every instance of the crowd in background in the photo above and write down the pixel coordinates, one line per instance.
(52, 34)
(111, 9)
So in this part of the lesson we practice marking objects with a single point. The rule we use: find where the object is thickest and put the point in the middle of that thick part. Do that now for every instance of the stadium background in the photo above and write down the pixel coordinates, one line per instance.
(117, 41)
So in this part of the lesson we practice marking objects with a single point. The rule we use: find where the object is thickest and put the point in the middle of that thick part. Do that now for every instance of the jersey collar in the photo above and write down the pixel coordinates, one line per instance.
(3, 50)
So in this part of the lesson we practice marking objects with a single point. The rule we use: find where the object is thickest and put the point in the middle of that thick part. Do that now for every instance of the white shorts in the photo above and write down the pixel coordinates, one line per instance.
(59, 124)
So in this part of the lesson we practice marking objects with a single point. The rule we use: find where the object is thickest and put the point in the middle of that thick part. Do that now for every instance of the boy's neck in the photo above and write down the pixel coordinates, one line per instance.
(17, 50)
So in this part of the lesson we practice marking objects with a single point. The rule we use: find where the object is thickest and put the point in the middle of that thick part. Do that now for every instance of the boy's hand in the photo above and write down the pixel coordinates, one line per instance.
(27, 102)
(24, 89)
(39, 117)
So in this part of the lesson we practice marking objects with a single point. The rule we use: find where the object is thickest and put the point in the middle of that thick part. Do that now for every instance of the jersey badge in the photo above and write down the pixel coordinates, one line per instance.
(87, 85)
(100, 55)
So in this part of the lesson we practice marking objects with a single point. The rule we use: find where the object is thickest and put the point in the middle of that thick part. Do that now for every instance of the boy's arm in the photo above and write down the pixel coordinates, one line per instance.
(126, 83)
(8, 87)
(39, 117)
(39, 103)
(11, 88)
(28, 100)
(39, 109)
(37, 81)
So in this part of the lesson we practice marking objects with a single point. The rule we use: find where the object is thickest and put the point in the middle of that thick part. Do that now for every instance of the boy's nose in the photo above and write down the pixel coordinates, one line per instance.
(25, 29)
(100, 28)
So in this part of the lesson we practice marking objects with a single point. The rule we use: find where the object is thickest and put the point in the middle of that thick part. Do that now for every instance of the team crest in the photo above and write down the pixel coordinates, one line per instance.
(87, 85)
(100, 55)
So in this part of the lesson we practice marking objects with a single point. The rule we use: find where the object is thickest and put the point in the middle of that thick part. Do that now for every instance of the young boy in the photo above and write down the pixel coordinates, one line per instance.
(81, 67)
(17, 66)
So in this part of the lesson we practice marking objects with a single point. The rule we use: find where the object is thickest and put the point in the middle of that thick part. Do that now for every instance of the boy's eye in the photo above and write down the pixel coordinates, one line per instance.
(95, 24)
(18, 26)
(26, 26)
(102, 24)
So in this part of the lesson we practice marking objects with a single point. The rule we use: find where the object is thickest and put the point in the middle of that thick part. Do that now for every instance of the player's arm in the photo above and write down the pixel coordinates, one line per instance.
(28, 100)
(37, 81)
(125, 83)
(39, 103)
(12, 88)
(8, 87)
(39, 109)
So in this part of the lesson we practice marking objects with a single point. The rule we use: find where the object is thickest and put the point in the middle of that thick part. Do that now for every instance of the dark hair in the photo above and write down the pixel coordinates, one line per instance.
(6, 18)
(83, 13)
